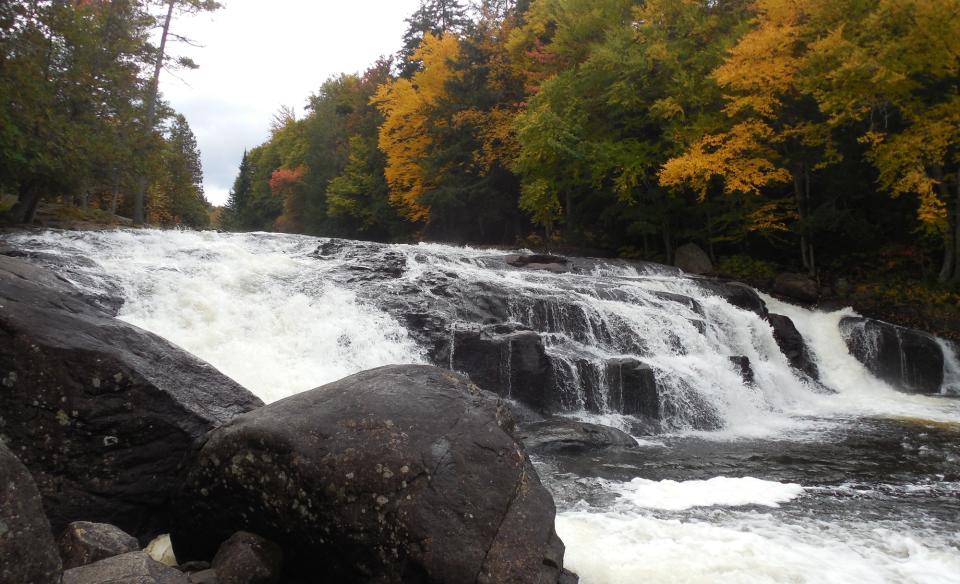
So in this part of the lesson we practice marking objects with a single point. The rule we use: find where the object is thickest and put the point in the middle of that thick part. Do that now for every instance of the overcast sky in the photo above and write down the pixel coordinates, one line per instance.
(260, 54)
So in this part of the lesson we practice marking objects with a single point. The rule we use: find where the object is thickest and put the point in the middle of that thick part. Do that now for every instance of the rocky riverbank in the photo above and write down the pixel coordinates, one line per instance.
(402, 474)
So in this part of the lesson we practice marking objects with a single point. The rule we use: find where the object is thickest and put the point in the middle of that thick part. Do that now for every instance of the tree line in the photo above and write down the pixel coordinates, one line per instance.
(81, 121)
(810, 131)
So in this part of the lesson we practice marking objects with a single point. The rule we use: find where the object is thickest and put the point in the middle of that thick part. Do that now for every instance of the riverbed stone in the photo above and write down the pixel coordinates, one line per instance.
(100, 411)
(909, 360)
(131, 568)
(247, 558)
(508, 360)
(633, 388)
(792, 345)
(744, 369)
(405, 473)
(571, 437)
(28, 553)
(736, 293)
(691, 258)
(84, 543)
(798, 287)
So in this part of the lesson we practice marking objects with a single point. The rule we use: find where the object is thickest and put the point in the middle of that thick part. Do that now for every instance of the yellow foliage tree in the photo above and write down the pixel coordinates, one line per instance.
(775, 133)
(404, 137)
(894, 70)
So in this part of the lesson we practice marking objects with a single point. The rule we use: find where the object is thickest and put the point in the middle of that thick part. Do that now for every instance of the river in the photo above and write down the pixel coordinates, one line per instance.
(776, 480)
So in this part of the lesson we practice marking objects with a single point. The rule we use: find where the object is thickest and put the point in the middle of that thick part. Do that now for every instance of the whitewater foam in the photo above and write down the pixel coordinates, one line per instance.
(625, 548)
(718, 491)
(254, 306)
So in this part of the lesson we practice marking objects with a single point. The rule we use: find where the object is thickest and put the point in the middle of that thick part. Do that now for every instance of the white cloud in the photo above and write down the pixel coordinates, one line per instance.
(259, 55)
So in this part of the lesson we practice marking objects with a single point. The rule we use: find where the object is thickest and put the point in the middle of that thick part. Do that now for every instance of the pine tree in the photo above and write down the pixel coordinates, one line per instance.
(239, 196)
(436, 18)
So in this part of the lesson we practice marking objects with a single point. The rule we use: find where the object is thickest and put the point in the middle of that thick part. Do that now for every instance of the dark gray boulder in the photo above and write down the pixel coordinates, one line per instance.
(737, 294)
(397, 474)
(633, 388)
(797, 287)
(100, 411)
(562, 435)
(909, 360)
(247, 558)
(792, 345)
(743, 368)
(508, 360)
(691, 258)
(131, 568)
(538, 261)
(84, 543)
(204, 577)
(28, 552)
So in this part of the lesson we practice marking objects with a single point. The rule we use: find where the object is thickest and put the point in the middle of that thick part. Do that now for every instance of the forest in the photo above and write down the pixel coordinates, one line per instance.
(81, 120)
(818, 136)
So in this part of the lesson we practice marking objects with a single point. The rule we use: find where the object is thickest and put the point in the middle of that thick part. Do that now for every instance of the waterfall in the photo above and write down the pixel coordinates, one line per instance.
(757, 472)
(281, 316)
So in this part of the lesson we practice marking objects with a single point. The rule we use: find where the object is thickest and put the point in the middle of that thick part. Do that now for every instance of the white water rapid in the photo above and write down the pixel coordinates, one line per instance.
(773, 480)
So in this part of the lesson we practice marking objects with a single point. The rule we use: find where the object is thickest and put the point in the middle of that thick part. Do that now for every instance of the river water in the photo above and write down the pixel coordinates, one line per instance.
(791, 484)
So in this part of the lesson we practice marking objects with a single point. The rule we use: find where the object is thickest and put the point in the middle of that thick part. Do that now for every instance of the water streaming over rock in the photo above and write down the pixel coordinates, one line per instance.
(693, 365)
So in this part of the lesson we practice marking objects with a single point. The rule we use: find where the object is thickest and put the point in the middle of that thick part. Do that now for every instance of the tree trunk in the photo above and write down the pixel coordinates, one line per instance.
(801, 192)
(140, 196)
(948, 269)
(956, 231)
(667, 243)
(25, 208)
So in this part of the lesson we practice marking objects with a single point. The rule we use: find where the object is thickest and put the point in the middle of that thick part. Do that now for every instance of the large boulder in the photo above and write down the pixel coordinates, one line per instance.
(28, 552)
(508, 360)
(100, 411)
(792, 345)
(397, 474)
(691, 258)
(247, 558)
(131, 568)
(563, 435)
(736, 293)
(797, 287)
(909, 360)
(84, 543)
(633, 388)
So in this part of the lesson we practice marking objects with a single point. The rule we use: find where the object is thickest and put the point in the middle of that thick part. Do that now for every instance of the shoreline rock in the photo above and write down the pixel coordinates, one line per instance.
(100, 411)
(397, 474)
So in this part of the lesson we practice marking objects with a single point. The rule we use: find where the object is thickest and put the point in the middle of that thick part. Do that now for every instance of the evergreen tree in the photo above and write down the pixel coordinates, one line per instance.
(434, 17)
(186, 204)
(239, 196)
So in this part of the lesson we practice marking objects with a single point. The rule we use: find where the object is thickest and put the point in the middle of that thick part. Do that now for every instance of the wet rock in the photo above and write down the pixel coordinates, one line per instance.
(247, 558)
(792, 345)
(686, 301)
(131, 568)
(84, 543)
(398, 474)
(743, 368)
(100, 411)
(909, 360)
(797, 287)
(204, 577)
(194, 566)
(737, 294)
(571, 437)
(27, 549)
(691, 258)
(538, 261)
(508, 360)
(633, 388)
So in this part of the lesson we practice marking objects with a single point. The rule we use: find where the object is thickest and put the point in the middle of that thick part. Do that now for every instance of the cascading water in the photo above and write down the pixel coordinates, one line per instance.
(758, 473)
